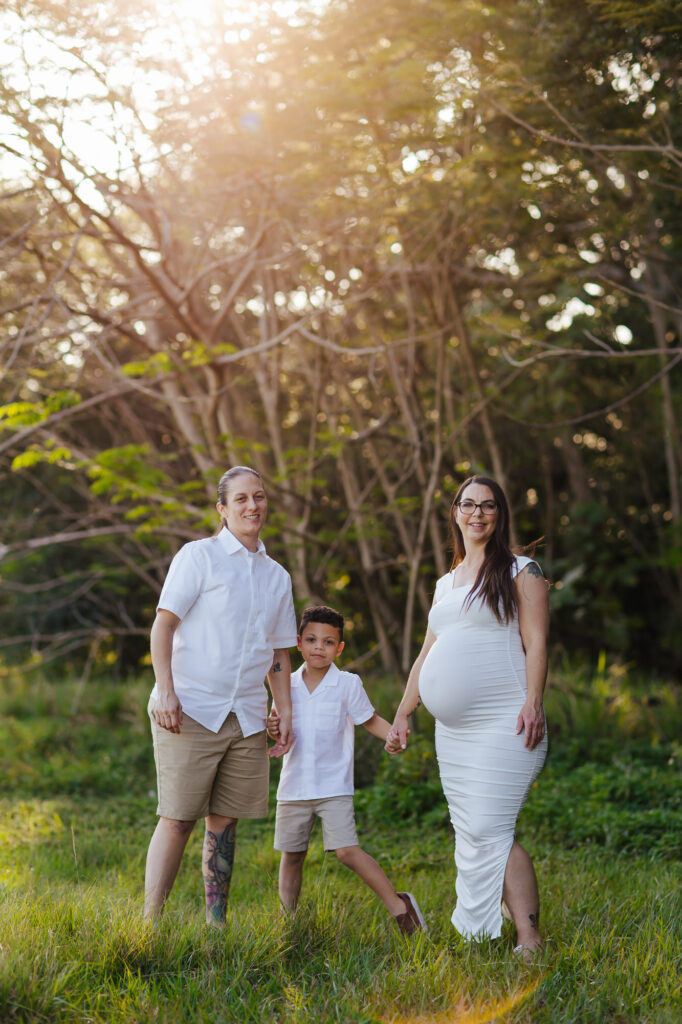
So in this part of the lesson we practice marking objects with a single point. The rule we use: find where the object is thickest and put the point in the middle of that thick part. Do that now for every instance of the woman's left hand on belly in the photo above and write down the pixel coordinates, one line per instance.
(531, 722)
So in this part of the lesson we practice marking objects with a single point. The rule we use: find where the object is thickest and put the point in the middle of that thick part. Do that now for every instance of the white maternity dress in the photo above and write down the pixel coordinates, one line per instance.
(473, 681)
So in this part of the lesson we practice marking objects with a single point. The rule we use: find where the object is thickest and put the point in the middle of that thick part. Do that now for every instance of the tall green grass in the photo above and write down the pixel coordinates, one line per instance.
(77, 809)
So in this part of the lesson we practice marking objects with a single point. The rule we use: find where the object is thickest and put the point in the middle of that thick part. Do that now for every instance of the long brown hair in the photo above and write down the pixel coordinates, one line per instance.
(494, 581)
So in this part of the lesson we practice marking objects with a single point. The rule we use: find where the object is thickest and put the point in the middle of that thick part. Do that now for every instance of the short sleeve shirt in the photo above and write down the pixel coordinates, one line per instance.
(320, 761)
(235, 608)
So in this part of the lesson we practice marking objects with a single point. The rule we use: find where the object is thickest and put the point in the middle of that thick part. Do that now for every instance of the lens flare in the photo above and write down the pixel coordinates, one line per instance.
(484, 1013)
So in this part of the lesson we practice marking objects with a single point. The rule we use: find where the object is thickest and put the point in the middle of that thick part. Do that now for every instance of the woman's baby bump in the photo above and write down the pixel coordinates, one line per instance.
(462, 676)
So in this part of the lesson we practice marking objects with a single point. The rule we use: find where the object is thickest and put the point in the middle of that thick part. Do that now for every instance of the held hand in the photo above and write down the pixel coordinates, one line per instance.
(272, 724)
(284, 739)
(399, 732)
(168, 712)
(393, 745)
(531, 721)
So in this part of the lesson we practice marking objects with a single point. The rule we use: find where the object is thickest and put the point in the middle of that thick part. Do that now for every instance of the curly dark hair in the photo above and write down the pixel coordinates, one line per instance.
(321, 613)
(494, 581)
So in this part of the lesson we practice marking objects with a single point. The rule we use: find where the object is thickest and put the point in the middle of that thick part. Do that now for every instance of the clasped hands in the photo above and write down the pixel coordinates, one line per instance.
(396, 740)
(394, 744)
(272, 724)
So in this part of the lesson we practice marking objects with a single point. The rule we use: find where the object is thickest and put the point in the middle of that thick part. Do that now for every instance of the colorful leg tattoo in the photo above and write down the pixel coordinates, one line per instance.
(217, 862)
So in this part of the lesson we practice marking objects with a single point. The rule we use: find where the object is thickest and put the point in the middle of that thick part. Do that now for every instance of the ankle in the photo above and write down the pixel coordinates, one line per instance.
(529, 939)
(395, 905)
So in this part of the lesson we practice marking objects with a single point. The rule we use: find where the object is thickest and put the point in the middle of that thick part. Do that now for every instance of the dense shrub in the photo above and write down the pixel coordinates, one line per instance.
(629, 805)
(612, 776)
(407, 787)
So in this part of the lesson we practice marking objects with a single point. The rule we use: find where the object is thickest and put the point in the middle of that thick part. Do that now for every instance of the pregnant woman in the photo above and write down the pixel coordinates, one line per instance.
(481, 673)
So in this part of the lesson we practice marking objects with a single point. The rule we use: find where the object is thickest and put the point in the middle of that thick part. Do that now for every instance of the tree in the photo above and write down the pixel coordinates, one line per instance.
(351, 250)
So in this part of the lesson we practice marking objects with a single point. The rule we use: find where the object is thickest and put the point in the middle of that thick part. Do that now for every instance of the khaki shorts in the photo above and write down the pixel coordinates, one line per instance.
(199, 772)
(295, 819)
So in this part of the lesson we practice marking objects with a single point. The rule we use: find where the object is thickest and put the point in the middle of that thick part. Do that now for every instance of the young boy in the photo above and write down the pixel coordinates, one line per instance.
(317, 772)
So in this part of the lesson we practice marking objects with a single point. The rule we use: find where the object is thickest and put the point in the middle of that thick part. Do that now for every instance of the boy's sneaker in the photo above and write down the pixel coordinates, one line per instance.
(411, 920)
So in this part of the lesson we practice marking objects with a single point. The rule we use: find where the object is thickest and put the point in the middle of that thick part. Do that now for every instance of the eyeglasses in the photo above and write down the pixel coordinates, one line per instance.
(467, 507)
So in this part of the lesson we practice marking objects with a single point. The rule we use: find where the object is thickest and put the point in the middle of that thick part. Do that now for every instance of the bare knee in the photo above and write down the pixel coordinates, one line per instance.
(518, 860)
(347, 855)
(177, 827)
(218, 823)
(293, 859)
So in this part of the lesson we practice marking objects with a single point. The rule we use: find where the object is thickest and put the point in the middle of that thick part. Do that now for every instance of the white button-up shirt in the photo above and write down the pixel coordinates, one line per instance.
(235, 608)
(320, 761)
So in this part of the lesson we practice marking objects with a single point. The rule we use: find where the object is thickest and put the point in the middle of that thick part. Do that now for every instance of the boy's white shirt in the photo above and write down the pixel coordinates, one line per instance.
(320, 761)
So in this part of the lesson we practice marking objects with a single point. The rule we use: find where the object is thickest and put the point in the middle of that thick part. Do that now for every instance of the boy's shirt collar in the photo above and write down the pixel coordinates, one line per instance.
(330, 678)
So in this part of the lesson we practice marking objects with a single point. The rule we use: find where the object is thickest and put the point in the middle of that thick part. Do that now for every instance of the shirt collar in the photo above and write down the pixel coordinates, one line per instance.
(231, 545)
(330, 678)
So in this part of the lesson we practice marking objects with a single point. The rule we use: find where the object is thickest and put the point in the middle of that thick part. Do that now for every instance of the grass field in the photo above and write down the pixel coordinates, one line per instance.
(77, 809)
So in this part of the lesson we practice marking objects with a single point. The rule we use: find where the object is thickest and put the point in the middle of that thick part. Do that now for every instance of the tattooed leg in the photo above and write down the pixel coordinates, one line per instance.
(217, 862)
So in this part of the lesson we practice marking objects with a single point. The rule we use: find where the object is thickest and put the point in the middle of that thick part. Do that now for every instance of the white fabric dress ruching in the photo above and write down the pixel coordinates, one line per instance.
(473, 681)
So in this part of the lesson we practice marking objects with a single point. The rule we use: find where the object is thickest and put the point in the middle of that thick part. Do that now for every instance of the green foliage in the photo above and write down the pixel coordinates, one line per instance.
(407, 787)
(615, 946)
(24, 414)
(125, 472)
(158, 363)
(67, 757)
(19, 414)
(370, 248)
(58, 400)
(72, 865)
(597, 583)
(612, 777)
(45, 748)
(631, 805)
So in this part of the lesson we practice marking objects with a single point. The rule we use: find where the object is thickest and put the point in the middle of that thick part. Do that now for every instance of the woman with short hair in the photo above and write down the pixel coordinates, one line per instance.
(225, 619)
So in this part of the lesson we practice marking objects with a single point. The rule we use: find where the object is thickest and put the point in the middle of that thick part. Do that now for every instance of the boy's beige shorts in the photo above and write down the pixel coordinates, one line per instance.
(295, 820)
(199, 772)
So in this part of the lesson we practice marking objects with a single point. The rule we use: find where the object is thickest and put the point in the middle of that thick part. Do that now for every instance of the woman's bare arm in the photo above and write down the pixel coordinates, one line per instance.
(533, 602)
(411, 700)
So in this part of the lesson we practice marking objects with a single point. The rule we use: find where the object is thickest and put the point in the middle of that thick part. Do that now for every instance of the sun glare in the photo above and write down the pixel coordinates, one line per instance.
(237, 17)
(66, 73)
(483, 1013)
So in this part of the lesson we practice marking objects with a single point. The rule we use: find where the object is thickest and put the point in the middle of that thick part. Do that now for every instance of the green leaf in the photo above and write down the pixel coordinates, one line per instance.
(27, 459)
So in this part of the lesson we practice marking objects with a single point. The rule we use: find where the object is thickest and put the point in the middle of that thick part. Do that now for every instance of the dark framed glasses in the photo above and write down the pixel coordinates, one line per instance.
(468, 507)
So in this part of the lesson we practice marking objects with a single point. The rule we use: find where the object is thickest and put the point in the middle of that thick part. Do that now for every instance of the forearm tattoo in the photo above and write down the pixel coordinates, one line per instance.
(217, 862)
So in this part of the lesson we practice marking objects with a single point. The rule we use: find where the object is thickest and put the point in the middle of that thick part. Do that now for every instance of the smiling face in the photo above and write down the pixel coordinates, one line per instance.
(246, 509)
(477, 528)
(319, 644)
